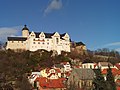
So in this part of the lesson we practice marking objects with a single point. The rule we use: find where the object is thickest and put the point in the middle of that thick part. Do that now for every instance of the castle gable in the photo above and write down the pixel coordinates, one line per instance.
(56, 34)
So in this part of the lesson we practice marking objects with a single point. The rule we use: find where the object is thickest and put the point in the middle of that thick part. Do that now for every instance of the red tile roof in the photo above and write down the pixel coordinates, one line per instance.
(118, 88)
(95, 65)
(117, 81)
(68, 73)
(51, 83)
(117, 65)
(64, 63)
(58, 70)
(114, 71)
(47, 70)
(51, 74)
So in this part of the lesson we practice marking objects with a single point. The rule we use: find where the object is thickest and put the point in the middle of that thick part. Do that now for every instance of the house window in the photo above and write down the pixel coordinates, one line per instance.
(84, 66)
(35, 84)
(90, 66)
(78, 84)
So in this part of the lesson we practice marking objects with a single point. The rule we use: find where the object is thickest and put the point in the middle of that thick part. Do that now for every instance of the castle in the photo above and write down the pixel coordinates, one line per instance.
(34, 41)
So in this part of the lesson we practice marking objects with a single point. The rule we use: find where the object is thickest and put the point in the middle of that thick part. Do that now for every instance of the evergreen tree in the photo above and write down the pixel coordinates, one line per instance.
(99, 82)
(110, 79)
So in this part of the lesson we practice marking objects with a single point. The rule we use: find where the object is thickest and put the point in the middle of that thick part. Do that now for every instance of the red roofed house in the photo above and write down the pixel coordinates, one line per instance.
(88, 64)
(115, 72)
(51, 73)
(33, 77)
(104, 65)
(67, 66)
(50, 84)
(117, 65)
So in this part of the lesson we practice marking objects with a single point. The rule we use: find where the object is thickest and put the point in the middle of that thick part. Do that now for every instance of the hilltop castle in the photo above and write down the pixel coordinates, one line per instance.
(33, 41)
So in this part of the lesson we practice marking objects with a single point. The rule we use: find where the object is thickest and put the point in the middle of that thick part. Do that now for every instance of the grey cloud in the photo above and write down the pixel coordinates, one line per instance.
(8, 31)
(54, 5)
(118, 49)
(112, 44)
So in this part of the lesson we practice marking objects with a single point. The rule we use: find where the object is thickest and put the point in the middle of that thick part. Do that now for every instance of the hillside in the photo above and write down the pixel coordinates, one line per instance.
(15, 66)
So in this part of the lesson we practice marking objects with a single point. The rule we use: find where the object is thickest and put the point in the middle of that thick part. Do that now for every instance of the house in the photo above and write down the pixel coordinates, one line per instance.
(50, 84)
(82, 78)
(104, 65)
(67, 66)
(117, 65)
(34, 41)
(61, 67)
(51, 73)
(88, 64)
(33, 77)
(115, 72)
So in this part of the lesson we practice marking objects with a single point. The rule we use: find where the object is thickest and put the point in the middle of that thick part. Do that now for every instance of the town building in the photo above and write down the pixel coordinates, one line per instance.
(43, 83)
(81, 78)
(34, 41)
(88, 64)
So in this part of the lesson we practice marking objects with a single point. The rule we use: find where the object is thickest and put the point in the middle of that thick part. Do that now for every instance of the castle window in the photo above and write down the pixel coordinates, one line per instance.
(32, 35)
(42, 36)
(12, 41)
(57, 40)
(33, 42)
(43, 43)
(38, 42)
(21, 41)
(47, 43)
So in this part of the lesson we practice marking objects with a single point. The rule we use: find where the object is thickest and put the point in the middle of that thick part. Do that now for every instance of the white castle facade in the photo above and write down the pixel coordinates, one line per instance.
(33, 41)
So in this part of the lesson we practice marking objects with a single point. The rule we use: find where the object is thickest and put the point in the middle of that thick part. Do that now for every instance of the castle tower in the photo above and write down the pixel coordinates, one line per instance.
(25, 31)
